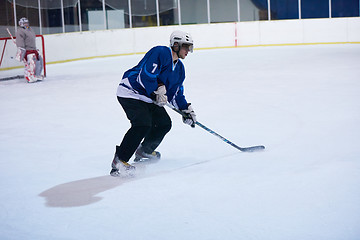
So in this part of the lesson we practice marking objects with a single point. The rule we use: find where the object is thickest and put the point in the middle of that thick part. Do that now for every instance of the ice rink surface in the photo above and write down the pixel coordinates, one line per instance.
(58, 137)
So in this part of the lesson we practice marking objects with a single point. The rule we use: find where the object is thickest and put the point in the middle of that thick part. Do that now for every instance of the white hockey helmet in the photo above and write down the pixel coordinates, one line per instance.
(181, 38)
(22, 21)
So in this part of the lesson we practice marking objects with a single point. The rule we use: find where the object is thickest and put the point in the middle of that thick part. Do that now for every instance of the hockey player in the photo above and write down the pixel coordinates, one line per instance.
(143, 91)
(25, 41)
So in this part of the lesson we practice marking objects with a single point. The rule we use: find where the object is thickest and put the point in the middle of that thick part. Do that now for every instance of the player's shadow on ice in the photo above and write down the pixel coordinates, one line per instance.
(81, 192)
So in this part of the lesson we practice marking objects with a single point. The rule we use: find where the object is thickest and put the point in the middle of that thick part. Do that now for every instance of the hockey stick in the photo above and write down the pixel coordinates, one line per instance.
(11, 36)
(243, 149)
(14, 41)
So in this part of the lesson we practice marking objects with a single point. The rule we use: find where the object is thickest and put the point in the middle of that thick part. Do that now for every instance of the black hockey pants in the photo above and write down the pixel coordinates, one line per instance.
(149, 124)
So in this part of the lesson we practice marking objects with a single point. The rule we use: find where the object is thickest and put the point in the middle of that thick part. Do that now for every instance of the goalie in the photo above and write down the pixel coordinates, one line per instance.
(27, 52)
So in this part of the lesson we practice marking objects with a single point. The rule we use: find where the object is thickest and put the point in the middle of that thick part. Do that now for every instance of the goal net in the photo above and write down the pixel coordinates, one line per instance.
(10, 68)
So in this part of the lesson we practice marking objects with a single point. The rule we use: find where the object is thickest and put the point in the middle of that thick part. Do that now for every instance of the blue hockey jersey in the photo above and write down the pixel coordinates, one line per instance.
(155, 68)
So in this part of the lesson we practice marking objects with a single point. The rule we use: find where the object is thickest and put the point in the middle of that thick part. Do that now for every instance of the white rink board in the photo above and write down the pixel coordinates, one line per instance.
(138, 40)
(79, 45)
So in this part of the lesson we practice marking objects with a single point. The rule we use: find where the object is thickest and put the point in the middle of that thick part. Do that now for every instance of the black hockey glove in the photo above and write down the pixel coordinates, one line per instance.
(189, 117)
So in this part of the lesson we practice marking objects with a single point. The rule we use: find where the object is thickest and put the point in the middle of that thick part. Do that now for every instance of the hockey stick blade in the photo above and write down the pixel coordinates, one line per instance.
(243, 149)
(252, 149)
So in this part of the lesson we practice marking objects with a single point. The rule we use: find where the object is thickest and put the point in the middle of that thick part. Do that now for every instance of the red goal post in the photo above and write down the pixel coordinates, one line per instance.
(11, 68)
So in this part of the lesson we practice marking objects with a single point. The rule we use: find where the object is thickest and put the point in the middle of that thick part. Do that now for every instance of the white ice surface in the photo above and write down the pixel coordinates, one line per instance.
(58, 137)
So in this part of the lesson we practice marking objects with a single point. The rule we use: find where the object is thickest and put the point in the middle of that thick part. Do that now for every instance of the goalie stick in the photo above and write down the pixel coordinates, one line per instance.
(243, 149)
(12, 38)
(14, 41)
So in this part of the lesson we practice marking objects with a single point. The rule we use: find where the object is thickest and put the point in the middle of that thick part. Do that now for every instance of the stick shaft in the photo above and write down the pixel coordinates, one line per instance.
(11, 36)
(243, 149)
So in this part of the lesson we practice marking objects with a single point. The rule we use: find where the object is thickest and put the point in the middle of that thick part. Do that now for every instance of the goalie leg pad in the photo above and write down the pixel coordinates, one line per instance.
(38, 66)
(30, 68)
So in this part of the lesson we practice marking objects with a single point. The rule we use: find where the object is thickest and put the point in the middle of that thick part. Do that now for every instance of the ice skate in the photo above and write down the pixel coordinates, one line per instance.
(31, 79)
(141, 156)
(39, 78)
(121, 168)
